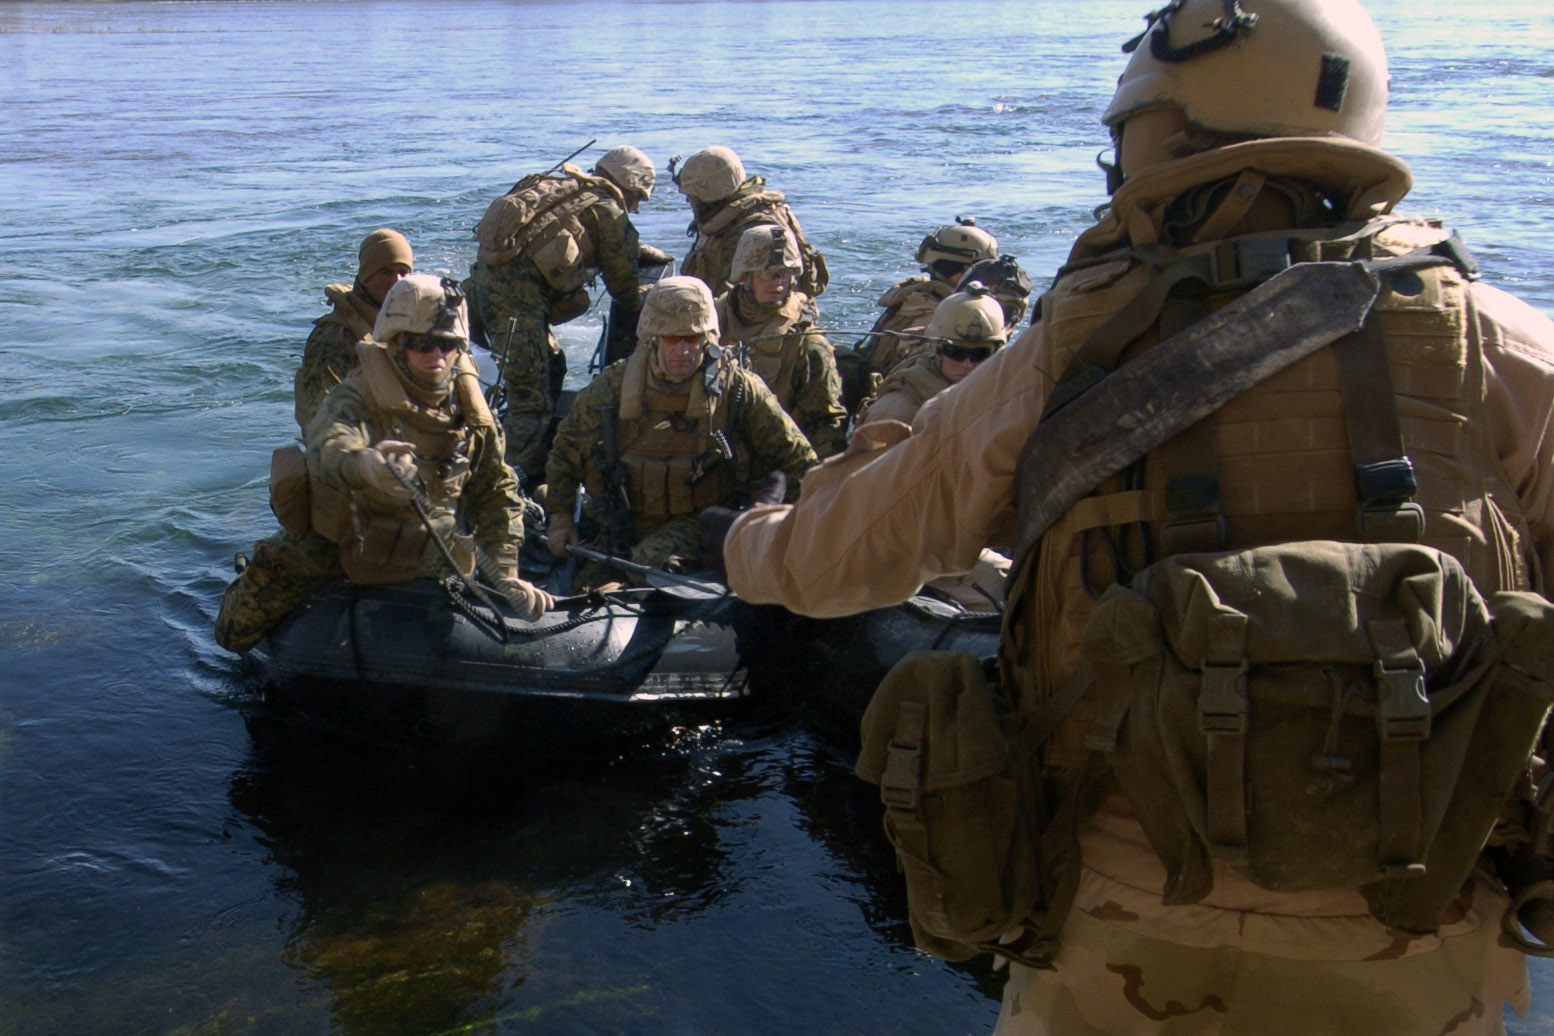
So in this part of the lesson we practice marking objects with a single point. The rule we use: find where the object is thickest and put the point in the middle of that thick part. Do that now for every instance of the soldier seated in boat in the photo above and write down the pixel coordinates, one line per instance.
(725, 203)
(764, 320)
(909, 304)
(540, 243)
(676, 427)
(402, 457)
(330, 353)
(967, 328)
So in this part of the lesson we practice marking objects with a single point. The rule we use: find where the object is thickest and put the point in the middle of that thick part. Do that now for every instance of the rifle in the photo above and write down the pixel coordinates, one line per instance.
(497, 629)
(617, 494)
(496, 395)
(519, 185)
(691, 588)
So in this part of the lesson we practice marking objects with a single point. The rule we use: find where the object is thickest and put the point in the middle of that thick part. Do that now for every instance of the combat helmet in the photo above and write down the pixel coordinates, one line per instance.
(955, 246)
(679, 306)
(764, 247)
(1259, 68)
(1009, 284)
(629, 168)
(710, 175)
(423, 303)
(971, 316)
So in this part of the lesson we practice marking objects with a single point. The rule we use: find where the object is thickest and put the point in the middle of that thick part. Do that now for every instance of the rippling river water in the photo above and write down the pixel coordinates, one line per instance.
(178, 181)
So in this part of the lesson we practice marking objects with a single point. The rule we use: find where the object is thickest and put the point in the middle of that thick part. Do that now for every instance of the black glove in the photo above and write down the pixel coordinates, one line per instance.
(715, 522)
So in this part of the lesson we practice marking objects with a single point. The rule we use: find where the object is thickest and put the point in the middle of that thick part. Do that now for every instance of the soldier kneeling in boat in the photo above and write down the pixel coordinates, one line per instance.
(674, 428)
(400, 456)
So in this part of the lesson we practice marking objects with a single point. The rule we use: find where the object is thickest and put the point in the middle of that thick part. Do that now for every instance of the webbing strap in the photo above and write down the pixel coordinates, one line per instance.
(1384, 476)
(1402, 724)
(1189, 461)
(1222, 718)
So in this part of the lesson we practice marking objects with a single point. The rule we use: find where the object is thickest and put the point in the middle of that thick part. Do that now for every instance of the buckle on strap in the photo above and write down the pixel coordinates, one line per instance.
(1222, 706)
(1243, 262)
(1402, 707)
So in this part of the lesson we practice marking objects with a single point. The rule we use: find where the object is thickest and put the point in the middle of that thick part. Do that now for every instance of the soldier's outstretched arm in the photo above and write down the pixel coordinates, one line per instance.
(619, 247)
(876, 522)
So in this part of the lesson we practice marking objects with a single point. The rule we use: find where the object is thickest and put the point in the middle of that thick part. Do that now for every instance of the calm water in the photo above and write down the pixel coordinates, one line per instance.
(177, 182)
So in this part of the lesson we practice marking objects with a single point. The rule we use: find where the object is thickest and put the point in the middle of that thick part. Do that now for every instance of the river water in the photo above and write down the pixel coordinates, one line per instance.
(177, 182)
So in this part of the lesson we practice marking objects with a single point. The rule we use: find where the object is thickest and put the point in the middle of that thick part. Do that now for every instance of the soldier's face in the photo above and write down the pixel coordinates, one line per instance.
(379, 283)
(770, 285)
(680, 354)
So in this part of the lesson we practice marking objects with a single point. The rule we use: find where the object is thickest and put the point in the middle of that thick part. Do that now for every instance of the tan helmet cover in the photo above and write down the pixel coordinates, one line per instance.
(961, 242)
(629, 168)
(711, 174)
(423, 303)
(678, 306)
(383, 247)
(766, 247)
(1260, 68)
(969, 317)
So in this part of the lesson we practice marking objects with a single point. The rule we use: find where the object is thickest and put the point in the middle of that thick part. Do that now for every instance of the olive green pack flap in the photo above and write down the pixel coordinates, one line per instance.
(947, 713)
(1320, 714)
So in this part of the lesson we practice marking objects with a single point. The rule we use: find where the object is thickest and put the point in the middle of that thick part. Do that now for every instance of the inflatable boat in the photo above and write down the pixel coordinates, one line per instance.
(425, 660)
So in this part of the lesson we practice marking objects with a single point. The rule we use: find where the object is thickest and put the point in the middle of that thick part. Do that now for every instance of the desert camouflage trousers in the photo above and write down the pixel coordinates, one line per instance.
(282, 573)
(1217, 972)
(509, 296)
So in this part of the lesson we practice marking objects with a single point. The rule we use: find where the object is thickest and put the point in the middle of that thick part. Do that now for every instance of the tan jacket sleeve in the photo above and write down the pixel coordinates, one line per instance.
(876, 522)
(1518, 348)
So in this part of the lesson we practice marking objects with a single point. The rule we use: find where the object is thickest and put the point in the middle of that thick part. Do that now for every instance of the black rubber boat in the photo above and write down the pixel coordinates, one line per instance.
(425, 661)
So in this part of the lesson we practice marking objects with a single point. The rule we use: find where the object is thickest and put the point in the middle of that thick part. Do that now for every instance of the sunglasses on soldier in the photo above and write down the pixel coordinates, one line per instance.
(961, 353)
(421, 343)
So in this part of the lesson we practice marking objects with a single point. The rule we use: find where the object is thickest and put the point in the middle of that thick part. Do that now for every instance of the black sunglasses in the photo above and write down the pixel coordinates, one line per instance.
(958, 353)
(419, 343)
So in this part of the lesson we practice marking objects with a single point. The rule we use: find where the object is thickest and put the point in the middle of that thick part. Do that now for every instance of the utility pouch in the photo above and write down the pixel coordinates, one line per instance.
(1318, 715)
(940, 740)
(289, 488)
(559, 261)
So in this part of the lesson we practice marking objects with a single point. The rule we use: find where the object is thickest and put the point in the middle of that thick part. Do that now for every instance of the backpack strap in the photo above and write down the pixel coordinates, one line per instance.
(1384, 479)
(1402, 723)
(1222, 719)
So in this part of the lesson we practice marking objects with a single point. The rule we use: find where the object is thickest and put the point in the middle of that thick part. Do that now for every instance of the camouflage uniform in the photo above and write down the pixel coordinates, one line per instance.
(795, 361)
(763, 438)
(288, 567)
(717, 226)
(535, 366)
(330, 352)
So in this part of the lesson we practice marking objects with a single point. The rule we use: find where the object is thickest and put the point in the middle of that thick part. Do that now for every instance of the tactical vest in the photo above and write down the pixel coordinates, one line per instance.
(675, 464)
(1277, 458)
(909, 305)
(383, 540)
(351, 310)
(773, 348)
(540, 221)
(711, 256)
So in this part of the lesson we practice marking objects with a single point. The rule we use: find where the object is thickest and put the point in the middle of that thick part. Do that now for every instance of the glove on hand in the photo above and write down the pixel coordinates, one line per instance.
(529, 601)
(561, 536)
(382, 466)
(715, 521)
